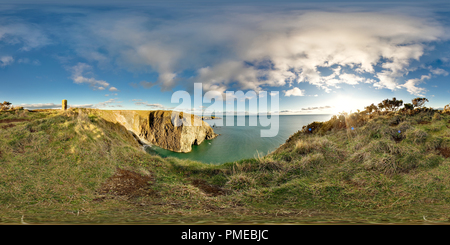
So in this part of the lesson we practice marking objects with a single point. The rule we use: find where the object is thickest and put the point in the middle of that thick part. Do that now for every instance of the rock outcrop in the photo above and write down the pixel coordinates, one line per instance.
(157, 128)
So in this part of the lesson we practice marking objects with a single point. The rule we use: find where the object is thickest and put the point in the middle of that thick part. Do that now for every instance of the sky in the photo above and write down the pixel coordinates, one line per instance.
(320, 56)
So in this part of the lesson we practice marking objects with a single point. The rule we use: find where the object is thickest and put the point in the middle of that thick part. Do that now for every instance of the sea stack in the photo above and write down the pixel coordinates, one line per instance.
(64, 105)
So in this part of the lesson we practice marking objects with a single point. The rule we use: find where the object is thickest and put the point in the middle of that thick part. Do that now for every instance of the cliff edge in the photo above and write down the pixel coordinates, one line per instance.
(157, 128)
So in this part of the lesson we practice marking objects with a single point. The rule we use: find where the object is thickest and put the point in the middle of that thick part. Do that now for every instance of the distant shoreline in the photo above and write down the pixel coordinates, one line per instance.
(210, 118)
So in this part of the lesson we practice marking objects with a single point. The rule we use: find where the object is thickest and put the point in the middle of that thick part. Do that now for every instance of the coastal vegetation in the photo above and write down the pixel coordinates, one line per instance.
(386, 164)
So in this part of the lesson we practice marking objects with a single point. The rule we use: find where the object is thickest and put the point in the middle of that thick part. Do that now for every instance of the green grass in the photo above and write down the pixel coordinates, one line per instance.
(53, 166)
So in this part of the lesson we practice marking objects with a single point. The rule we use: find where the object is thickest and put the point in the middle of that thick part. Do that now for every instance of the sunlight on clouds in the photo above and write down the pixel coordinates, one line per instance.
(355, 40)
(411, 85)
(309, 110)
(294, 92)
(254, 51)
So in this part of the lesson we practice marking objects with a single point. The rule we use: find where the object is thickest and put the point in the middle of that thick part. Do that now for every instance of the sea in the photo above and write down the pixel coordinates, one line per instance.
(241, 142)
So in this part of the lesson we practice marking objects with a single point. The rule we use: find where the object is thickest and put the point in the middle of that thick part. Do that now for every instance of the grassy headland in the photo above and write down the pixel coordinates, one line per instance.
(370, 166)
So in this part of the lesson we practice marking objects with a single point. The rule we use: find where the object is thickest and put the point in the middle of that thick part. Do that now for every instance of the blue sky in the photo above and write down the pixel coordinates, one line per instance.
(322, 57)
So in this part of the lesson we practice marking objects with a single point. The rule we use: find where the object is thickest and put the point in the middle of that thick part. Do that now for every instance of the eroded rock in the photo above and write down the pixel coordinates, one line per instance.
(157, 128)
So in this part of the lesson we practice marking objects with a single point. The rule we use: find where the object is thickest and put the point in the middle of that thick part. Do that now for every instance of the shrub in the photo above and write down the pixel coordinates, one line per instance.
(446, 109)
(409, 106)
(5, 106)
(371, 108)
(312, 127)
(437, 116)
(374, 115)
(419, 102)
(390, 105)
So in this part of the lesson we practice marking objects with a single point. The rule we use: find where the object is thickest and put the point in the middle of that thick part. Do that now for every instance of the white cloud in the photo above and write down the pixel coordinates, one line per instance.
(351, 79)
(254, 51)
(109, 103)
(113, 89)
(28, 61)
(23, 60)
(29, 36)
(294, 92)
(41, 106)
(411, 85)
(438, 71)
(145, 84)
(51, 106)
(79, 76)
(315, 109)
(6, 60)
(153, 106)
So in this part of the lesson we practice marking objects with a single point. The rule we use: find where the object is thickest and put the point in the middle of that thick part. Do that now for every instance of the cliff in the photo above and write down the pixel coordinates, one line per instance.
(156, 127)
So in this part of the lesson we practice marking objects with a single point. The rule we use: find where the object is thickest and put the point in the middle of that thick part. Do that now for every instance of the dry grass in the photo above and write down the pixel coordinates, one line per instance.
(416, 135)
(59, 165)
(240, 181)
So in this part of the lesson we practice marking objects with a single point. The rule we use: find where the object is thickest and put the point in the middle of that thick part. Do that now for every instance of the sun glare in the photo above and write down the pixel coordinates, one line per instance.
(347, 104)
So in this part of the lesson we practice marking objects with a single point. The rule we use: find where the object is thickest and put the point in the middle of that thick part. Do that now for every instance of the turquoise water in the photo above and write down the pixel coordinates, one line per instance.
(240, 142)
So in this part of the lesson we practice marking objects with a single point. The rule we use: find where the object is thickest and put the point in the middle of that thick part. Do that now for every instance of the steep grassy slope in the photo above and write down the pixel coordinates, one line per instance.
(76, 167)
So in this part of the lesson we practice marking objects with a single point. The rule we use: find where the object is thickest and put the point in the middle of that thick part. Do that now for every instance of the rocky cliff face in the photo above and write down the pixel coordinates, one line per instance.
(157, 128)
